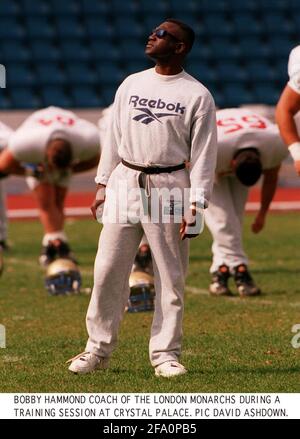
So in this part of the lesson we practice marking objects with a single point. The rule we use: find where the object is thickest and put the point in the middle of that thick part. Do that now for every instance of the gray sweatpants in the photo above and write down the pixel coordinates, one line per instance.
(118, 245)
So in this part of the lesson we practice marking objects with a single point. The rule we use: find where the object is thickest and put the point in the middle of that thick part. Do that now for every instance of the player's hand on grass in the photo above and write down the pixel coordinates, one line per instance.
(258, 223)
(99, 199)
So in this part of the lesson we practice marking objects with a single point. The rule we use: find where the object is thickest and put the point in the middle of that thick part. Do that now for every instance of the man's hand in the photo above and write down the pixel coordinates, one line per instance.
(259, 222)
(294, 149)
(99, 199)
(297, 166)
(191, 224)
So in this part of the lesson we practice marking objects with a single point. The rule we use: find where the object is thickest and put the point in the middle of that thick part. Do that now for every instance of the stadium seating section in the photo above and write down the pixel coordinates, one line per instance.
(74, 53)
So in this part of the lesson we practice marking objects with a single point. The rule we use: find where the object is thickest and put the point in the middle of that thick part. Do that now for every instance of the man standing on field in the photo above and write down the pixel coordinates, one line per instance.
(162, 118)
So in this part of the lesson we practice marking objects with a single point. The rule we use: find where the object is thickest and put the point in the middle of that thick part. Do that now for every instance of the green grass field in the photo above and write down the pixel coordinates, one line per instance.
(230, 344)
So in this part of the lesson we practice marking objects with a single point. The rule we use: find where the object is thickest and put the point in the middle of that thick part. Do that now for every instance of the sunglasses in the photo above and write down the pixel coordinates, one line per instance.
(161, 33)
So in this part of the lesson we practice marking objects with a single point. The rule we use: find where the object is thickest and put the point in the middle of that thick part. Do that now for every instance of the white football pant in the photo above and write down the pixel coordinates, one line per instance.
(224, 218)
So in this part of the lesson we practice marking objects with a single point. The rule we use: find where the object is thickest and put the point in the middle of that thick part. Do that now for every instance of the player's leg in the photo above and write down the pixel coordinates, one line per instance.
(118, 244)
(3, 224)
(51, 217)
(226, 228)
(170, 260)
(117, 248)
(3, 216)
(242, 277)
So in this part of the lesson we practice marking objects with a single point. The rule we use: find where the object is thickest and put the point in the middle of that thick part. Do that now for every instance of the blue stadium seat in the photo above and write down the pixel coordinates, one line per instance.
(98, 27)
(236, 94)
(201, 52)
(243, 6)
(152, 20)
(44, 50)
(119, 7)
(229, 71)
(128, 27)
(253, 47)
(59, 7)
(10, 28)
(279, 46)
(5, 102)
(146, 7)
(95, 7)
(79, 73)
(217, 25)
(266, 93)
(104, 50)
(85, 96)
(108, 94)
(24, 97)
(19, 74)
(259, 71)
(14, 50)
(275, 5)
(218, 96)
(55, 95)
(246, 24)
(33, 7)
(280, 70)
(132, 48)
(294, 5)
(50, 74)
(39, 27)
(277, 23)
(109, 73)
(224, 48)
(8, 8)
(205, 6)
(69, 27)
(75, 50)
(136, 66)
(296, 21)
(201, 71)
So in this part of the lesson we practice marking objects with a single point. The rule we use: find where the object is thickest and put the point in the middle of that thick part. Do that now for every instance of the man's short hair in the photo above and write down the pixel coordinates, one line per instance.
(60, 153)
(248, 167)
(189, 34)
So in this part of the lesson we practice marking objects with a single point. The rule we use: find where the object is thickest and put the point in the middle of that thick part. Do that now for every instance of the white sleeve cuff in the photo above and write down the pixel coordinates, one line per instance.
(294, 149)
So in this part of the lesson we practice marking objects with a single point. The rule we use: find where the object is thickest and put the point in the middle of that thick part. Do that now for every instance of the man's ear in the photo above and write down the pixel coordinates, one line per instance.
(180, 48)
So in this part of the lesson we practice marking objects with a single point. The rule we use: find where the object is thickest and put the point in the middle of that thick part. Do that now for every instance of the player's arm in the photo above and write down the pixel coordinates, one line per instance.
(9, 164)
(86, 165)
(202, 170)
(287, 107)
(268, 189)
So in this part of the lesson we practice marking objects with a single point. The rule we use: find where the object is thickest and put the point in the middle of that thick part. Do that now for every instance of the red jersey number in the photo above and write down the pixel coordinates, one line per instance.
(235, 124)
(62, 119)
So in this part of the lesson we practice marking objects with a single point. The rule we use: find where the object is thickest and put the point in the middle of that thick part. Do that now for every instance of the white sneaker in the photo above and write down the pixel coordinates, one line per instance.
(87, 362)
(170, 369)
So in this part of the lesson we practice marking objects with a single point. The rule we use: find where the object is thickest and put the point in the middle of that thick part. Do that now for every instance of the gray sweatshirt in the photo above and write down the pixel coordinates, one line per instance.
(163, 120)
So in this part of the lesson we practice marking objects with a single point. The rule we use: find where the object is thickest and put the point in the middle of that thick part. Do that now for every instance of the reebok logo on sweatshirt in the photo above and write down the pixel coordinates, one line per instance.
(147, 116)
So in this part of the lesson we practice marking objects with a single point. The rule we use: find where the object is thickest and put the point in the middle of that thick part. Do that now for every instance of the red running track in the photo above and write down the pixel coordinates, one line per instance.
(78, 203)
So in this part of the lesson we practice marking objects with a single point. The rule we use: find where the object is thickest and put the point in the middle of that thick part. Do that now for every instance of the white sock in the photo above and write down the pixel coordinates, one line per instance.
(60, 234)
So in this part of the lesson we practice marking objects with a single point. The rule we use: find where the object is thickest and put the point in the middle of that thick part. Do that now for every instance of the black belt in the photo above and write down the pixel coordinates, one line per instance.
(154, 169)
